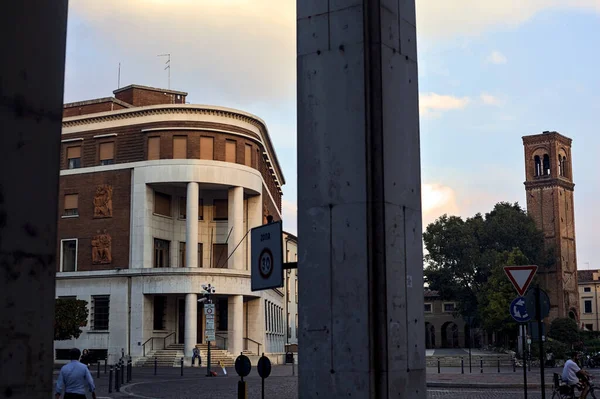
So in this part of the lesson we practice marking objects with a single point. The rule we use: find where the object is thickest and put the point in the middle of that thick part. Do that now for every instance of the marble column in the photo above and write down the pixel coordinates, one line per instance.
(191, 226)
(235, 219)
(235, 324)
(31, 86)
(191, 325)
(254, 220)
(359, 201)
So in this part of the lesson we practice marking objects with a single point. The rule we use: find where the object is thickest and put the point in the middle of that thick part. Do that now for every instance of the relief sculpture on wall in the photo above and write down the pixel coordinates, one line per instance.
(103, 201)
(101, 249)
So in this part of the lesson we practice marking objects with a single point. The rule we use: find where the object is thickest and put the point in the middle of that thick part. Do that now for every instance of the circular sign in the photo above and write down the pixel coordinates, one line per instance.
(265, 263)
(242, 366)
(264, 367)
(544, 304)
(518, 310)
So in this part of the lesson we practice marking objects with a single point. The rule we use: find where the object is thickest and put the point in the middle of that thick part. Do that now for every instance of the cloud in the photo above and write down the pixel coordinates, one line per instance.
(290, 216)
(446, 19)
(496, 58)
(430, 104)
(489, 99)
(436, 200)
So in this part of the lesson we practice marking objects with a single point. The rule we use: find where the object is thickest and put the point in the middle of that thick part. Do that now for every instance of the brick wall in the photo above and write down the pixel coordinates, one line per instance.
(140, 97)
(85, 227)
(91, 109)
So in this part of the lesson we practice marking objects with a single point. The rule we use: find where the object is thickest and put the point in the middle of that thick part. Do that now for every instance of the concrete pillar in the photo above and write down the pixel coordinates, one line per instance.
(359, 198)
(256, 324)
(235, 324)
(31, 82)
(191, 327)
(254, 220)
(191, 226)
(236, 221)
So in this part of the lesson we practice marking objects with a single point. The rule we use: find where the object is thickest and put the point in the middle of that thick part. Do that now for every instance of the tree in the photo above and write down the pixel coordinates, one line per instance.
(70, 316)
(564, 330)
(463, 255)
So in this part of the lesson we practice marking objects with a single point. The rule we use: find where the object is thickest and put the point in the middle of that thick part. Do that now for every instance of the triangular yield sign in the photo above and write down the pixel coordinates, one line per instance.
(520, 277)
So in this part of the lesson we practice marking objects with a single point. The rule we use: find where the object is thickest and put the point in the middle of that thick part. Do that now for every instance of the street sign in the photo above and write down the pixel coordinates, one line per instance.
(209, 309)
(264, 367)
(518, 310)
(209, 325)
(243, 365)
(544, 304)
(267, 257)
(520, 276)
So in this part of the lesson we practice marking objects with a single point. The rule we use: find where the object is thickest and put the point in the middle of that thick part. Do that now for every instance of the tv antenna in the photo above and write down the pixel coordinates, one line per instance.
(168, 63)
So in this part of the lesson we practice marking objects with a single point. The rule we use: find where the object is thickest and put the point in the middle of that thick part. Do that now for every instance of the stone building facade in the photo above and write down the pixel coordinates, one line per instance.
(290, 253)
(589, 295)
(157, 197)
(549, 188)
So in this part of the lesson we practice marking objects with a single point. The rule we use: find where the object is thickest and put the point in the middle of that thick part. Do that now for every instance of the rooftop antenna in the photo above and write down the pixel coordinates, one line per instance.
(168, 66)
(119, 77)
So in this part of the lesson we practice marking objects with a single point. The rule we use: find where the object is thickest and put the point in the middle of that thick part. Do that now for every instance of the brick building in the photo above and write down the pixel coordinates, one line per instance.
(549, 188)
(157, 198)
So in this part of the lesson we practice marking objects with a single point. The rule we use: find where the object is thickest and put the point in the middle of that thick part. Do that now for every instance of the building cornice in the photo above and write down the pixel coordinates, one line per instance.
(549, 183)
(546, 138)
(180, 109)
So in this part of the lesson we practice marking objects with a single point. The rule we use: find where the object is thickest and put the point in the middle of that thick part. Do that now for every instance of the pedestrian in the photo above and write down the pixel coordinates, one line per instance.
(196, 354)
(73, 378)
(85, 357)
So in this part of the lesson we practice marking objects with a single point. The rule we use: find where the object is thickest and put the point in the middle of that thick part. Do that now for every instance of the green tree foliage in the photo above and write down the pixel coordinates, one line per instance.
(465, 256)
(564, 330)
(70, 316)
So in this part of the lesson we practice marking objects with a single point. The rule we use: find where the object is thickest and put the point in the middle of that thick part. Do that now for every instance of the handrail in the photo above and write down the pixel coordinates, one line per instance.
(224, 338)
(165, 339)
(144, 345)
(258, 344)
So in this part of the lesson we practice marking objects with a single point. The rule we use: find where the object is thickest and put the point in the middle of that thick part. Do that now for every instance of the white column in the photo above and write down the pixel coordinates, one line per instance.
(254, 220)
(235, 324)
(191, 326)
(191, 226)
(236, 221)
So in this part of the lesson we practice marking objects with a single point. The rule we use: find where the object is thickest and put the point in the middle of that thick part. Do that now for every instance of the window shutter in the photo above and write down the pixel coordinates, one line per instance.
(74, 152)
(179, 147)
(107, 151)
(230, 151)
(153, 148)
(206, 148)
(71, 201)
(248, 155)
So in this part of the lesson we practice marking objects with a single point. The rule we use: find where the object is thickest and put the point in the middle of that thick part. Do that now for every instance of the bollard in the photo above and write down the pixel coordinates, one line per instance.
(182, 367)
(462, 365)
(481, 364)
(155, 364)
(122, 372)
(242, 390)
(498, 363)
(105, 362)
(117, 371)
(128, 371)
(514, 365)
(98, 375)
(110, 379)
(438, 365)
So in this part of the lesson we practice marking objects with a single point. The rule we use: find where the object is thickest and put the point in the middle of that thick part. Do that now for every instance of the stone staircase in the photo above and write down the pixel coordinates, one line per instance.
(217, 355)
(169, 357)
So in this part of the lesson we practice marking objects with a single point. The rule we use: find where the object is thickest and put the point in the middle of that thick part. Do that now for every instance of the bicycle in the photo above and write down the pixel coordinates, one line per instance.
(560, 390)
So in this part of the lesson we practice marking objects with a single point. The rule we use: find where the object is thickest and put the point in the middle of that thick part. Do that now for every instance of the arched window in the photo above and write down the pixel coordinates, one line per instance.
(564, 166)
(537, 166)
(560, 166)
(546, 165)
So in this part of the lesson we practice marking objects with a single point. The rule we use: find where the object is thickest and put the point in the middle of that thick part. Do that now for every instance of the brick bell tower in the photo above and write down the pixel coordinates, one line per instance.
(549, 189)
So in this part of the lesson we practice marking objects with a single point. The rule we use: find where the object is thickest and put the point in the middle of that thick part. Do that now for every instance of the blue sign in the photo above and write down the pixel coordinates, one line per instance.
(518, 310)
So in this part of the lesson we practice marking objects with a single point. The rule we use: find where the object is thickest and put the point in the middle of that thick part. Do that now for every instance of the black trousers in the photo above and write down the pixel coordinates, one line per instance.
(74, 396)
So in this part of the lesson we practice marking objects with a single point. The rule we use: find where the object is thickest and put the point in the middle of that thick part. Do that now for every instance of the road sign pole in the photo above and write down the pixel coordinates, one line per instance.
(538, 312)
(524, 368)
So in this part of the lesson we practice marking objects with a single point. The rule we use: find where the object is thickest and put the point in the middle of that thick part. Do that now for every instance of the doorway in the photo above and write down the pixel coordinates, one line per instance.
(181, 322)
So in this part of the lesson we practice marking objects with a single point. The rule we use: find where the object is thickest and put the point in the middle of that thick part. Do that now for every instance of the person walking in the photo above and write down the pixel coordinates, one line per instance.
(73, 378)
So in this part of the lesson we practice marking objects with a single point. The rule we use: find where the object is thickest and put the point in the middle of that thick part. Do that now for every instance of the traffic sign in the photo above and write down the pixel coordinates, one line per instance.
(518, 310)
(209, 324)
(243, 365)
(520, 276)
(264, 367)
(544, 304)
(267, 257)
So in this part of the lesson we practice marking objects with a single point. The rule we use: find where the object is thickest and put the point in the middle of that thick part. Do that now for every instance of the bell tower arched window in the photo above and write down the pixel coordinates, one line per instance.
(537, 165)
(562, 165)
(546, 165)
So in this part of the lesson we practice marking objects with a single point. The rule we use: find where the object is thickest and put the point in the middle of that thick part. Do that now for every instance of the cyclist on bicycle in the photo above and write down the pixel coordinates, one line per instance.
(575, 376)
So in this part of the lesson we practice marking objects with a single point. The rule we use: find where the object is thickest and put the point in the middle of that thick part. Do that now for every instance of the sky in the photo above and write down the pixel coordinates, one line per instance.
(490, 72)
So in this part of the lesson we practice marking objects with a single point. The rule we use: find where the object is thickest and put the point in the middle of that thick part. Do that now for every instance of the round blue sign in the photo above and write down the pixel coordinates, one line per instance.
(518, 310)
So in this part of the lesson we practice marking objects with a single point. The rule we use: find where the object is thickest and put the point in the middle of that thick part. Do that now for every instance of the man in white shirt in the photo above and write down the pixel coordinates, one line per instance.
(574, 376)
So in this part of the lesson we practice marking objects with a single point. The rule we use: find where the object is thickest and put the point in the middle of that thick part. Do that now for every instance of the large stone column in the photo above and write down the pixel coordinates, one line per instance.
(235, 324)
(191, 327)
(191, 226)
(359, 198)
(254, 220)
(31, 92)
(236, 221)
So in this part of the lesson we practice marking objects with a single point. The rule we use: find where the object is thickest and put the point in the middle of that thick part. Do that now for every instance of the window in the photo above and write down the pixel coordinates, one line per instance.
(296, 290)
(428, 308)
(200, 254)
(68, 255)
(160, 305)
(289, 327)
(74, 157)
(219, 258)
(230, 153)
(221, 212)
(546, 165)
(296, 326)
(100, 312)
(537, 166)
(589, 327)
(162, 204)
(206, 148)
(587, 306)
(183, 208)
(587, 289)
(223, 308)
(182, 254)
(287, 287)
(179, 147)
(248, 155)
(161, 253)
(449, 307)
(107, 153)
(71, 205)
(153, 148)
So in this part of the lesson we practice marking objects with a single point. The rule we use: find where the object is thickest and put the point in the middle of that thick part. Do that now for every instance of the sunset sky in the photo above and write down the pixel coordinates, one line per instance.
(490, 73)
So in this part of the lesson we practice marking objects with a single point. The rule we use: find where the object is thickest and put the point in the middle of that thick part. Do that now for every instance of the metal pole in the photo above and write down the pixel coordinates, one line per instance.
(98, 376)
(182, 367)
(105, 363)
(498, 363)
(117, 378)
(538, 311)
(438, 365)
(110, 379)
(263, 388)
(524, 368)
(481, 364)
(155, 364)
(470, 336)
(462, 365)
(293, 365)
(122, 372)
